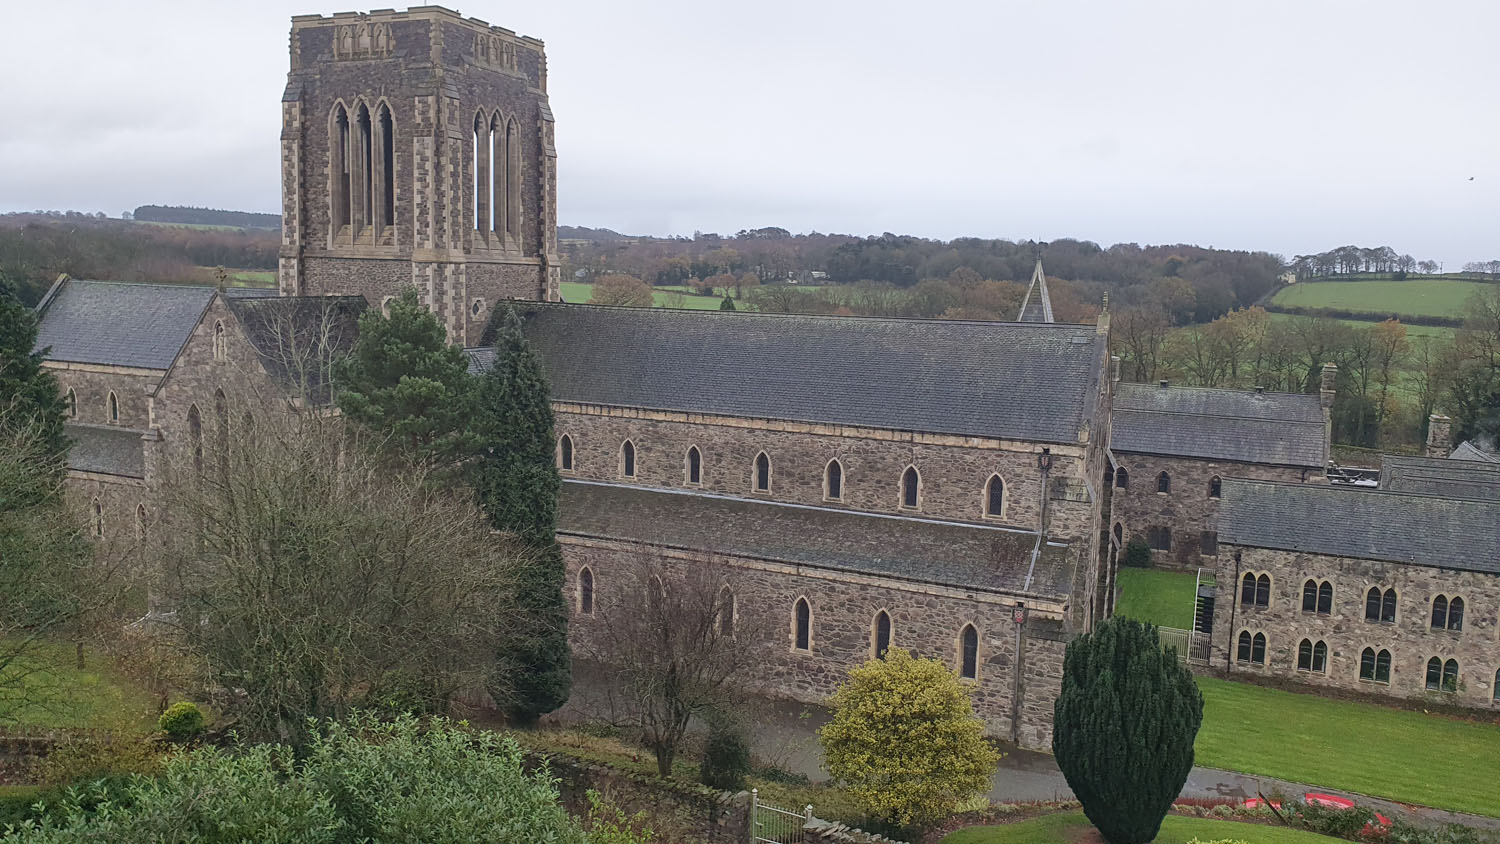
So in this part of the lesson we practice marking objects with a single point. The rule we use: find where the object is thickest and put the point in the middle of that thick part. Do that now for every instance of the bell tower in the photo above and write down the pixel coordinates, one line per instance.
(417, 149)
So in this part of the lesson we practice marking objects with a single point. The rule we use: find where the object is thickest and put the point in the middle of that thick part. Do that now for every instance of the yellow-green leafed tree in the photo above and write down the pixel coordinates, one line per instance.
(905, 741)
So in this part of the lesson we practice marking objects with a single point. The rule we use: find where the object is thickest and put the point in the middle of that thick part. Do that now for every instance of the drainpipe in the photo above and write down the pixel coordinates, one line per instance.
(1044, 463)
(1018, 615)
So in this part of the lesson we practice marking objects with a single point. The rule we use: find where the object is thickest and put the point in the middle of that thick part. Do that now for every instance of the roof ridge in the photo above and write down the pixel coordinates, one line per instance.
(1349, 489)
(1217, 415)
(711, 313)
(1238, 390)
(164, 284)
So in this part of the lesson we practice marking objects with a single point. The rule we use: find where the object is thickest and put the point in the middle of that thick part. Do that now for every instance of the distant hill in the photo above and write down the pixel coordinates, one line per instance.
(207, 217)
(591, 235)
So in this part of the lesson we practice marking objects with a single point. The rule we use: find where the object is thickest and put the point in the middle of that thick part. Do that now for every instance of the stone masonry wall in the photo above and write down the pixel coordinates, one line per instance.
(91, 385)
(953, 478)
(1410, 639)
(1187, 510)
(926, 621)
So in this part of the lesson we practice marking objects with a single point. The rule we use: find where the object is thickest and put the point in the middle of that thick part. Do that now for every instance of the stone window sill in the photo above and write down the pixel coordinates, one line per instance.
(1369, 682)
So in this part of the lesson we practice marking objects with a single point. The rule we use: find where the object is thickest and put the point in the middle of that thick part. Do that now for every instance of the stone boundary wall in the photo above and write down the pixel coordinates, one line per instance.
(828, 832)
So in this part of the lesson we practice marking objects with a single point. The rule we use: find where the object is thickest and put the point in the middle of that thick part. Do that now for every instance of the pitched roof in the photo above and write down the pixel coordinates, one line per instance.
(1342, 521)
(945, 553)
(1435, 476)
(299, 337)
(106, 449)
(1284, 429)
(986, 379)
(1474, 450)
(120, 323)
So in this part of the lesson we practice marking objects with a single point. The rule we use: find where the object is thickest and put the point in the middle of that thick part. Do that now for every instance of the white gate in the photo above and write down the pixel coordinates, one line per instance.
(772, 825)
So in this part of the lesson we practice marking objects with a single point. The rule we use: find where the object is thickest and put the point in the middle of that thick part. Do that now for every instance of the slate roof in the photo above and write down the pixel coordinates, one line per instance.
(945, 553)
(1284, 429)
(120, 323)
(1475, 450)
(1434, 476)
(106, 449)
(1341, 521)
(298, 337)
(988, 379)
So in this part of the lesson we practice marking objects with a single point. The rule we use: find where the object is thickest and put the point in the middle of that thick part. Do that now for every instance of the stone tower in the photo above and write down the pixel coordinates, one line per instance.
(417, 148)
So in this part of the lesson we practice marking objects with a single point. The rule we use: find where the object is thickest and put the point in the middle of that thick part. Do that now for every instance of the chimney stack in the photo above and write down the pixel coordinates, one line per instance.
(1439, 435)
(1114, 368)
(1325, 389)
(1164, 382)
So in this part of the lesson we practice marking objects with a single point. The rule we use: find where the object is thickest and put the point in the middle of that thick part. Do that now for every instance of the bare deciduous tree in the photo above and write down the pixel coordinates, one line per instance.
(675, 640)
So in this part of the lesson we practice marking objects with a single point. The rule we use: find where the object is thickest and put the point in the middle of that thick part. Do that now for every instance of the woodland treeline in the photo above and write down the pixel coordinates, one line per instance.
(36, 247)
(183, 214)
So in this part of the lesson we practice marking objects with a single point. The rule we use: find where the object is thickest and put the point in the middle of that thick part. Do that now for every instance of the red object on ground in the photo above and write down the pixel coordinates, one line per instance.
(1331, 801)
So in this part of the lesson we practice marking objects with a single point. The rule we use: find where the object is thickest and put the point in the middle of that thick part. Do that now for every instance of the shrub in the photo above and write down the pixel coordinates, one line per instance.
(726, 755)
(608, 823)
(905, 740)
(401, 693)
(182, 721)
(90, 756)
(1137, 553)
(1124, 698)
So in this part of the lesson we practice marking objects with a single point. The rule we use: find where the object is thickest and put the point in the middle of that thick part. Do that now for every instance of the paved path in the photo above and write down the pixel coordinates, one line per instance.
(785, 734)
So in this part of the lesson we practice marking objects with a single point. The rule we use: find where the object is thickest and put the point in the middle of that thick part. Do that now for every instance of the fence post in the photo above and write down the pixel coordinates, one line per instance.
(754, 803)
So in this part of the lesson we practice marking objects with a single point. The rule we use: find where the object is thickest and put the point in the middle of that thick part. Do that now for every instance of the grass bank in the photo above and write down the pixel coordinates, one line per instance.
(1402, 755)
(60, 694)
(1074, 828)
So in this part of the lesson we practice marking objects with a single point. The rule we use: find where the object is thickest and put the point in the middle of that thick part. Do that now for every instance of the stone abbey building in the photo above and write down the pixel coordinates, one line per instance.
(960, 489)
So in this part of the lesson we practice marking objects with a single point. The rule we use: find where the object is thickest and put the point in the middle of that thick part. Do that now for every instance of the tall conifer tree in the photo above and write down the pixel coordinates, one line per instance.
(404, 380)
(517, 482)
(1123, 728)
(30, 392)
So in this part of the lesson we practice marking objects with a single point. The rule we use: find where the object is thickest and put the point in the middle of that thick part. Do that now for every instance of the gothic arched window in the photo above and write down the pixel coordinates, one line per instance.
(338, 166)
(911, 484)
(994, 497)
(481, 173)
(802, 626)
(762, 473)
(1163, 482)
(220, 351)
(385, 204)
(627, 459)
(565, 453)
(586, 591)
(1215, 487)
(112, 408)
(881, 639)
(693, 470)
(71, 400)
(968, 653)
(195, 436)
(726, 611)
(833, 481)
(1122, 478)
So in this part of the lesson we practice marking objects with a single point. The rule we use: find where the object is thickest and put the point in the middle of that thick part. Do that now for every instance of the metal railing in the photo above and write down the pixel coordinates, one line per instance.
(773, 825)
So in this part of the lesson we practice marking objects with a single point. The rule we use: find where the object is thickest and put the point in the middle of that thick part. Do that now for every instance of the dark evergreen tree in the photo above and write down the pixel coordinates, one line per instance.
(727, 304)
(405, 382)
(29, 392)
(517, 483)
(1123, 729)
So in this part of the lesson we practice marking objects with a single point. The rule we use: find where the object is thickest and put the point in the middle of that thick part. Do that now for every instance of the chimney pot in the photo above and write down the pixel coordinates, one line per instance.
(1259, 389)
(1164, 382)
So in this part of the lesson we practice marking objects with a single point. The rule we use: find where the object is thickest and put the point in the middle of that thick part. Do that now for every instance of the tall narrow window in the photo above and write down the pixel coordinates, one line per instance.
(1215, 487)
(1243, 646)
(1367, 664)
(140, 522)
(1122, 478)
(481, 174)
(220, 350)
(1450, 675)
(1247, 589)
(1263, 591)
(627, 459)
(1388, 606)
(221, 429)
(1163, 482)
(71, 399)
(694, 467)
(363, 165)
(1439, 613)
(802, 626)
(500, 207)
(338, 166)
(1305, 655)
(586, 591)
(994, 497)
(513, 180)
(833, 481)
(968, 653)
(882, 635)
(98, 520)
(1320, 657)
(387, 181)
(910, 488)
(1456, 614)
(565, 453)
(1434, 674)
(195, 436)
(762, 473)
(726, 612)
(1258, 649)
(112, 408)
(1310, 596)
(1325, 598)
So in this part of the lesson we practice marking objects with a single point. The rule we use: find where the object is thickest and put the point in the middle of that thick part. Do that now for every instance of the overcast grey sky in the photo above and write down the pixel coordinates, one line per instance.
(1285, 125)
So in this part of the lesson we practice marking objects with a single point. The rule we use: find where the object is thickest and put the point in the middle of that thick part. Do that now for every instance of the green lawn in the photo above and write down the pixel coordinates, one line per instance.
(1411, 757)
(1412, 331)
(1163, 598)
(1426, 297)
(94, 696)
(1071, 827)
(579, 292)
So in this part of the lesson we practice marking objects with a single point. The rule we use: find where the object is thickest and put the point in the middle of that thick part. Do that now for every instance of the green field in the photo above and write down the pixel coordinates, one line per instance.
(1424, 298)
(1412, 331)
(1408, 756)
(1073, 827)
(1163, 598)
(93, 696)
(663, 297)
